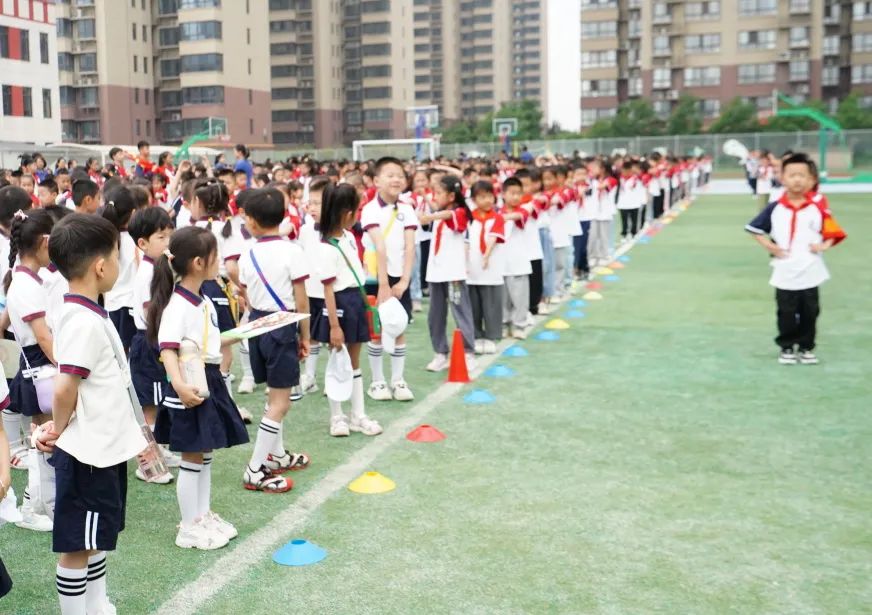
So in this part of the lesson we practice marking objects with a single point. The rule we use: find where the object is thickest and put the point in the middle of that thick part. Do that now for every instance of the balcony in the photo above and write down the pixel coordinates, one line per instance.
(800, 7)
(662, 52)
(663, 19)
(799, 43)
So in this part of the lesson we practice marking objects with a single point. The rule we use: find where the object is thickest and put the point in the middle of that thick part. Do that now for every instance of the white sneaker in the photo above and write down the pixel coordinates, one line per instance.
(365, 425)
(519, 334)
(531, 320)
(245, 415)
(544, 309)
(170, 458)
(807, 357)
(379, 391)
(339, 426)
(164, 479)
(489, 347)
(479, 346)
(470, 362)
(296, 393)
(246, 385)
(439, 362)
(787, 357)
(309, 384)
(507, 330)
(200, 536)
(34, 521)
(402, 392)
(219, 525)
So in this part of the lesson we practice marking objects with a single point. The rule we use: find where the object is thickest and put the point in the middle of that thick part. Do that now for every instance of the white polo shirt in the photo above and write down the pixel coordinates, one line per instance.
(532, 241)
(282, 264)
(26, 301)
(142, 291)
(190, 316)
(447, 261)
(333, 267)
(481, 231)
(378, 214)
(310, 239)
(517, 255)
(56, 286)
(103, 431)
(121, 295)
(229, 248)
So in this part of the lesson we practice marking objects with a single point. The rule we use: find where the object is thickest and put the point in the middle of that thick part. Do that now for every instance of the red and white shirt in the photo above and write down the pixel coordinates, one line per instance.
(484, 228)
(447, 262)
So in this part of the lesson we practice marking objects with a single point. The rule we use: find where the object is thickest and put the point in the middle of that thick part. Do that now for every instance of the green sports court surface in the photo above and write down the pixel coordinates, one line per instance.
(655, 459)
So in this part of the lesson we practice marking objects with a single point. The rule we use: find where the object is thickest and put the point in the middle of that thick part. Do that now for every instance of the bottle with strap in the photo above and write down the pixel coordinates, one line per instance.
(376, 322)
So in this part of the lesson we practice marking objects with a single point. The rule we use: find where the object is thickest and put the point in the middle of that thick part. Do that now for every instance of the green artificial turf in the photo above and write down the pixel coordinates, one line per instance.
(655, 459)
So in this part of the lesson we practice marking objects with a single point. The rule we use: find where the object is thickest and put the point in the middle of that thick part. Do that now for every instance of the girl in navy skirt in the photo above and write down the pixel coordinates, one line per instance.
(343, 320)
(192, 424)
(119, 301)
(27, 305)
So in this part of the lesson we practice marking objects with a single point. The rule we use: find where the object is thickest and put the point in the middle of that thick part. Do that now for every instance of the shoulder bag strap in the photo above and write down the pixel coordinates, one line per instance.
(121, 359)
(375, 319)
(262, 277)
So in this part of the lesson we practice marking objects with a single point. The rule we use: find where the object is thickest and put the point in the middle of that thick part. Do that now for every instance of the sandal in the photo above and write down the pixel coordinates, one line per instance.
(18, 458)
(288, 462)
(266, 481)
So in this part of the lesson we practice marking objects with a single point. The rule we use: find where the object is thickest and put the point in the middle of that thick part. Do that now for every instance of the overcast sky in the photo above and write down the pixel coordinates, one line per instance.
(564, 63)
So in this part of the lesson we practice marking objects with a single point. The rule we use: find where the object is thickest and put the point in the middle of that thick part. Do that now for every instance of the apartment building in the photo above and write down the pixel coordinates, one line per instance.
(156, 69)
(719, 49)
(30, 102)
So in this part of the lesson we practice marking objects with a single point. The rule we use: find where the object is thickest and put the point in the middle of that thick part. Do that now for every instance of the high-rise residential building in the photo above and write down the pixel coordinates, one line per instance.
(157, 69)
(437, 57)
(30, 103)
(719, 49)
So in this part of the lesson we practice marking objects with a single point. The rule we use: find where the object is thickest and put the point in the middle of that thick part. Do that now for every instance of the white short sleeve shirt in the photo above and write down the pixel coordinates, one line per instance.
(310, 238)
(26, 301)
(393, 220)
(142, 291)
(121, 295)
(190, 316)
(481, 231)
(333, 264)
(282, 264)
(447, 261)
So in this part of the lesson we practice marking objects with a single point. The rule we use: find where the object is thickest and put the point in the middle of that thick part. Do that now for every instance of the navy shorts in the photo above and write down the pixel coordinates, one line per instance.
(146, 371)
(124, 324)
(213, 290)
(90, 504)
(213, 424)
(316, 307)
(275, 356)
(352, 318)
(22, 393)
(405, 300)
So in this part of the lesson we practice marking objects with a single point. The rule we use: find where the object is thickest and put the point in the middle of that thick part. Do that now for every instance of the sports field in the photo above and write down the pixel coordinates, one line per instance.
(654, 459)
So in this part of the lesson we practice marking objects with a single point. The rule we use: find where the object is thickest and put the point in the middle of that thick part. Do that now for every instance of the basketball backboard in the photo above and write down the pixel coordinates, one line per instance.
(505, 126)
(426, 116)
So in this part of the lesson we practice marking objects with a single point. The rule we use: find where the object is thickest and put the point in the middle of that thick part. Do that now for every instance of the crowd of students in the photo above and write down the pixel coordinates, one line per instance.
(110, 269)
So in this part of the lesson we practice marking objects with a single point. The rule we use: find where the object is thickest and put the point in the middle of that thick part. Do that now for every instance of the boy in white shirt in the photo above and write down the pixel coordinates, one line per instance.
(486, 268)
(94, 431)
(516, 297)
(391, 227)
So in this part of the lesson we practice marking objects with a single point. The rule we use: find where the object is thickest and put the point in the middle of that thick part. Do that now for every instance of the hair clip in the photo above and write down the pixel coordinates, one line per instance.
(20, 215)
(110, 204)
(170, 256)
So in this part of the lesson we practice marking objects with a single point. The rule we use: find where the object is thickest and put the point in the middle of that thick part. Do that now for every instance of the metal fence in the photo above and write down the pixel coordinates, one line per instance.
(846, 154)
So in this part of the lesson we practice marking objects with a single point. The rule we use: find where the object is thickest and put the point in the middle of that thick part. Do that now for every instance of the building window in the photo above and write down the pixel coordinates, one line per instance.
(383, 92)
(702, 76)
(145, 35)
(599, 59)
(202, 62)
(757, 7)
(711, 107)
(702, 10)
(702, 43)
(25, 45)
(145, 91)
(378, 27)
(138, 126)
(251, 126)
(133, 30)
(250, 97)
(830, 75)
(377, 115)
(168, 37)
(757, 39)
(87, 97)
(169, 68)
(68, 95)
(799, 36)
(862, 11)
(198, 4)
(170, 98)
(64, 27)
(202, 95)
(860, 42)
(799, 70)
(662, 78)
(376, 71)
(46, 103)
(135, 64)
(43, 48)
(599, 87)
(88, 63)
(200, 30)
(380, 49)
(136, 96)
(145, 64)
(756, 73)
(147, 128)
(65, 61)
(7, 100)
(27, 95)
(86, 28)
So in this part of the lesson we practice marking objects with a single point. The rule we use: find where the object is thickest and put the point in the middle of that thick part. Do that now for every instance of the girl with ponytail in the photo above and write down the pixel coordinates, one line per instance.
(119, 207)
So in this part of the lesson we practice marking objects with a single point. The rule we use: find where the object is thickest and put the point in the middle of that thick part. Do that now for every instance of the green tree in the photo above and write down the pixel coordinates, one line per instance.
(634, 118)
(851, 115)
(528, 114)
(779, 123)
(686, 117)
(737, 116)
(459, 132)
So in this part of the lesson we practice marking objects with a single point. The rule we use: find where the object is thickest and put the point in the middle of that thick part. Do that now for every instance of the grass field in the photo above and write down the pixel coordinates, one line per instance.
(655, 459)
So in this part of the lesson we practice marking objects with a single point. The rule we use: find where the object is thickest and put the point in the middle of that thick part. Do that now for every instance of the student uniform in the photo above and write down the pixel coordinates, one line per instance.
(446, 277)
(339, 267)
(90, 457)
(486, 285)
(26, 301)
(543, 223)
(229, 249)
(584, 218)
(268, 270)
(628, 205)
(310, 239)
(145, 369)
(56, 286)
(796, 278)
(393, 220)
(119, 300)
(603, 195)
(216, 422)
(564, 222)
(516, 297)
(534, 251)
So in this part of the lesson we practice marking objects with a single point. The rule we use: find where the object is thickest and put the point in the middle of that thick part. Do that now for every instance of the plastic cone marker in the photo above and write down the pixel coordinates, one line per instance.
(499, 371)
(515, 352)
(457, 371)
(557, 324)
(603, 271)
(593, 296)
(425, 433)
(643, 240)
(577, 303)
(625, 258)
(372, 482)
(617, 265)
(574, 314)
(667, 221)
(547, 336)
(594, 285)
(299, 552)
(479, 396)
(612, 278)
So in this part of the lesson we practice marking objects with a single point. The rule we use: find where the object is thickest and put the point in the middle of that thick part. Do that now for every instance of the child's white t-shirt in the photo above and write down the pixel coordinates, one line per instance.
(121, 295)
(142, 291)
(378, 214)
(282, 263)
(482, 229)
(26, 301)
(310, 238)
(333, 265)
(516, 249)
(190, 316)
(447, 261)
(103, 431)
(229, 248)
(56, 286)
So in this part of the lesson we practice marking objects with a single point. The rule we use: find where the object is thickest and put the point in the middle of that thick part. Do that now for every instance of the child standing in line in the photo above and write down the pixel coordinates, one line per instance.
(119, 301)
(796, 230)
(344, 321)
(529, 181)
(446, 270)
(151, 229)
(421, 198)
(190, 421)
(559, 214)
(582, 189)
(516, 297)
(94, 429)
(628, 202)
(603, 189)
(486, 267)
(272, 273)
(391, 227)
(310, 239)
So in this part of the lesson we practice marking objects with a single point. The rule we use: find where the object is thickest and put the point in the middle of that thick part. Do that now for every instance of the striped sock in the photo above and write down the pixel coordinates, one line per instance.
(312, 360)
(71, 584)
(267, 433)
(188, 491)
(204, 486)
(398, 363)
(375, 362)
(95, 596)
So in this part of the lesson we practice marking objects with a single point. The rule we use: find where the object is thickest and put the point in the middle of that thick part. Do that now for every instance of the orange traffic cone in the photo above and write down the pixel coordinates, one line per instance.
(457, 371)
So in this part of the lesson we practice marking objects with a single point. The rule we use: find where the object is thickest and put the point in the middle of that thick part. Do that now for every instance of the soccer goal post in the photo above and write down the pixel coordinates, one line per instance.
(398, 148)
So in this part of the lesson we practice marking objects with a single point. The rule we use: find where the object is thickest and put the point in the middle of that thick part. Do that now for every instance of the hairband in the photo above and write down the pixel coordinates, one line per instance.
(20, 215)
(170, 256)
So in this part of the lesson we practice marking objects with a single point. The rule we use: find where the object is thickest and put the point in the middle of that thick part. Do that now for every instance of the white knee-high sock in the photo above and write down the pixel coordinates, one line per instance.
(204, 486)
(188, 491)
(46, 483)
(71, 584)
(32, 497)
(245, 360)
(95, 595)
(12, 427)
(335, 408)
(357, 408)
(375, 361)
(312, 360)
(398, 363)
(267, 433)
(278, 446)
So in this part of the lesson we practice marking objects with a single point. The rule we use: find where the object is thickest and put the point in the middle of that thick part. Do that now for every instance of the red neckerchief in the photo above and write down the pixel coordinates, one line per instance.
(483, 217)
(793, 211)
